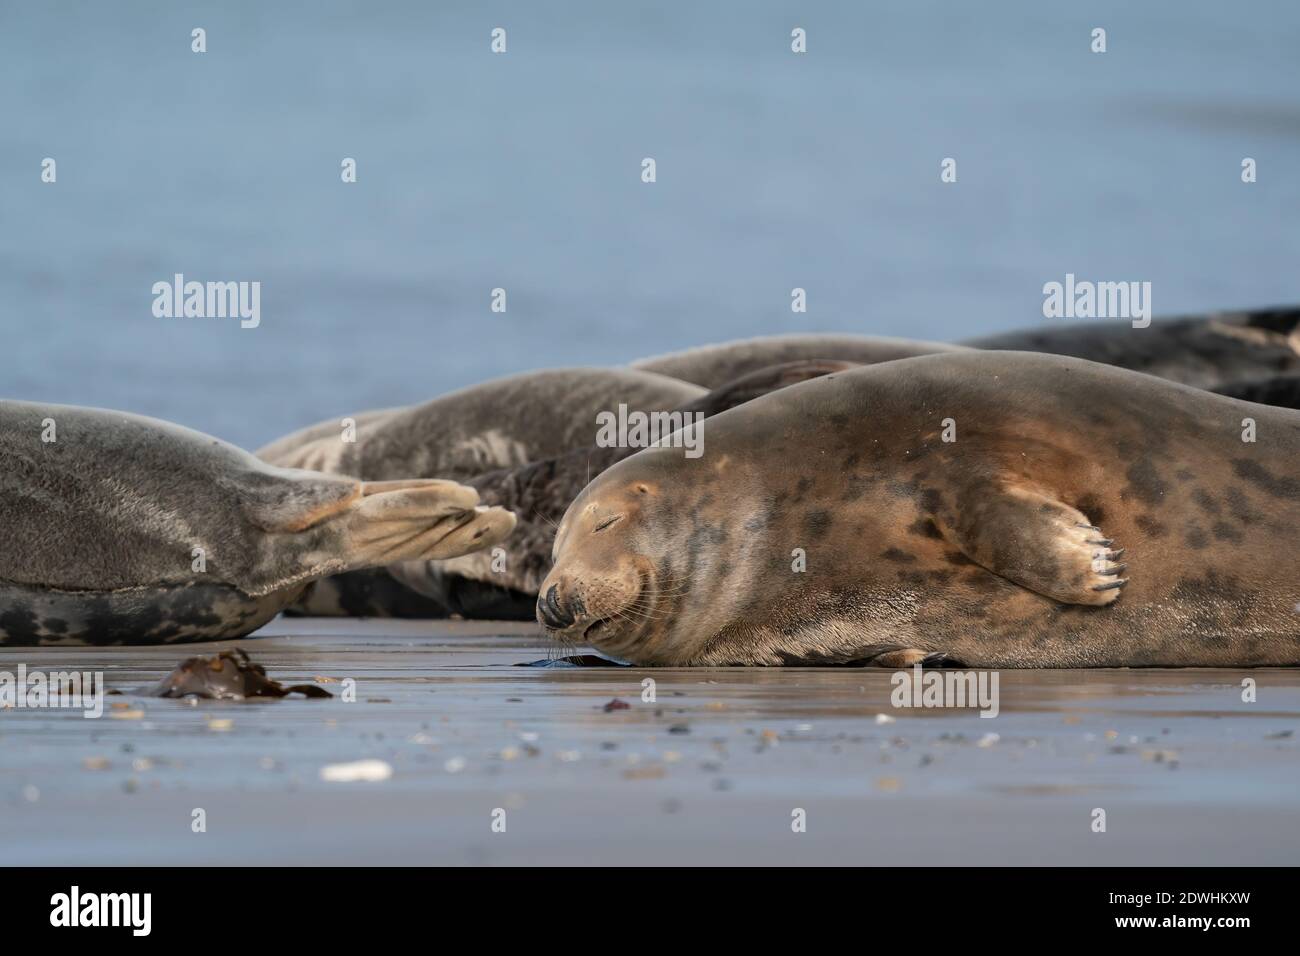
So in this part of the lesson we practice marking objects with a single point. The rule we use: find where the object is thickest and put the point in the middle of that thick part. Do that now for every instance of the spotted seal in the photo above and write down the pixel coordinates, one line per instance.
(994, 509)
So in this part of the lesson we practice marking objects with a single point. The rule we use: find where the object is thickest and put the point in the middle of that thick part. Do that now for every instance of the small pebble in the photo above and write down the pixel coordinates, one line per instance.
(364, 771)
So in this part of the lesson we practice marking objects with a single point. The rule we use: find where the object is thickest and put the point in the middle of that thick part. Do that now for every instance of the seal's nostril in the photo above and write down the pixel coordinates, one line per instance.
(552, 613)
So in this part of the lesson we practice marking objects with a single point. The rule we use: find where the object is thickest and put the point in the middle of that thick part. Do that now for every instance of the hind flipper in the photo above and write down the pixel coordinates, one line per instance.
(419, 521)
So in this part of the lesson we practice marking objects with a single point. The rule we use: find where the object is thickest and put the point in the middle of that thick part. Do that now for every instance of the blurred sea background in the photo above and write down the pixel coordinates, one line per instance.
(523, 171)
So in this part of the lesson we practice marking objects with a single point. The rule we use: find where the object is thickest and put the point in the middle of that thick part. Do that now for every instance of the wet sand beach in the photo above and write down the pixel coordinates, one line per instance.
(711, 772)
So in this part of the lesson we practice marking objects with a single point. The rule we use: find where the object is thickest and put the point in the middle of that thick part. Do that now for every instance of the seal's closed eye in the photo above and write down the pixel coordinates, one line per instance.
(606, 522)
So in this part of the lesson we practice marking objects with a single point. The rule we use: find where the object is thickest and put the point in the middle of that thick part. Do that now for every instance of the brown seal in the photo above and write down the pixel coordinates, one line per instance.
(998, 510)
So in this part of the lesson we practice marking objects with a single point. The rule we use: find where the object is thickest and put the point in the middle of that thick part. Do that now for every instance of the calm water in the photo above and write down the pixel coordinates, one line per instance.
(523, 171)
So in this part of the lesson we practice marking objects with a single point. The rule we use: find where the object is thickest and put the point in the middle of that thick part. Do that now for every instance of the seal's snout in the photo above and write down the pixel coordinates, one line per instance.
(599, 590)
(553, 613)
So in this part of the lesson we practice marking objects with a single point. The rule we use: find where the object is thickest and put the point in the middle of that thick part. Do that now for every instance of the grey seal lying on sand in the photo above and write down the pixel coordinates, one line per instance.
(120, 529)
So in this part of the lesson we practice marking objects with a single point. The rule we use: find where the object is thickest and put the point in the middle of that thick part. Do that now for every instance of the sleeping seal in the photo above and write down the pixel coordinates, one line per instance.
(502, 583)
(994, 509)
(503, 423)
(120, 529)
(540, 492)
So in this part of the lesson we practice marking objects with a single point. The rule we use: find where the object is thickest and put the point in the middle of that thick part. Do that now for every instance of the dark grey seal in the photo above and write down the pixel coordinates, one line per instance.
(120, 529)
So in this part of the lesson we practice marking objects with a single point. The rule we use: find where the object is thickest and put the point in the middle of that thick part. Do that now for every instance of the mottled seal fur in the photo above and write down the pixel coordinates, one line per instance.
(714, 366)
(503, 423)
(502, 583)
(1206, 351)
(497, 424)
(540, 492)
(1084, 516)
(120, 529)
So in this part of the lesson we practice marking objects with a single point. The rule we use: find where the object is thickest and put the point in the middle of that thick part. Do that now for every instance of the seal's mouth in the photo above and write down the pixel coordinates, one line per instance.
(565, 610)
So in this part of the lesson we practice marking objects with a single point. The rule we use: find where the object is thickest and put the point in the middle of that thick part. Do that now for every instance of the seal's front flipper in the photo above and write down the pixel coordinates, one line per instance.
(1038, 542)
